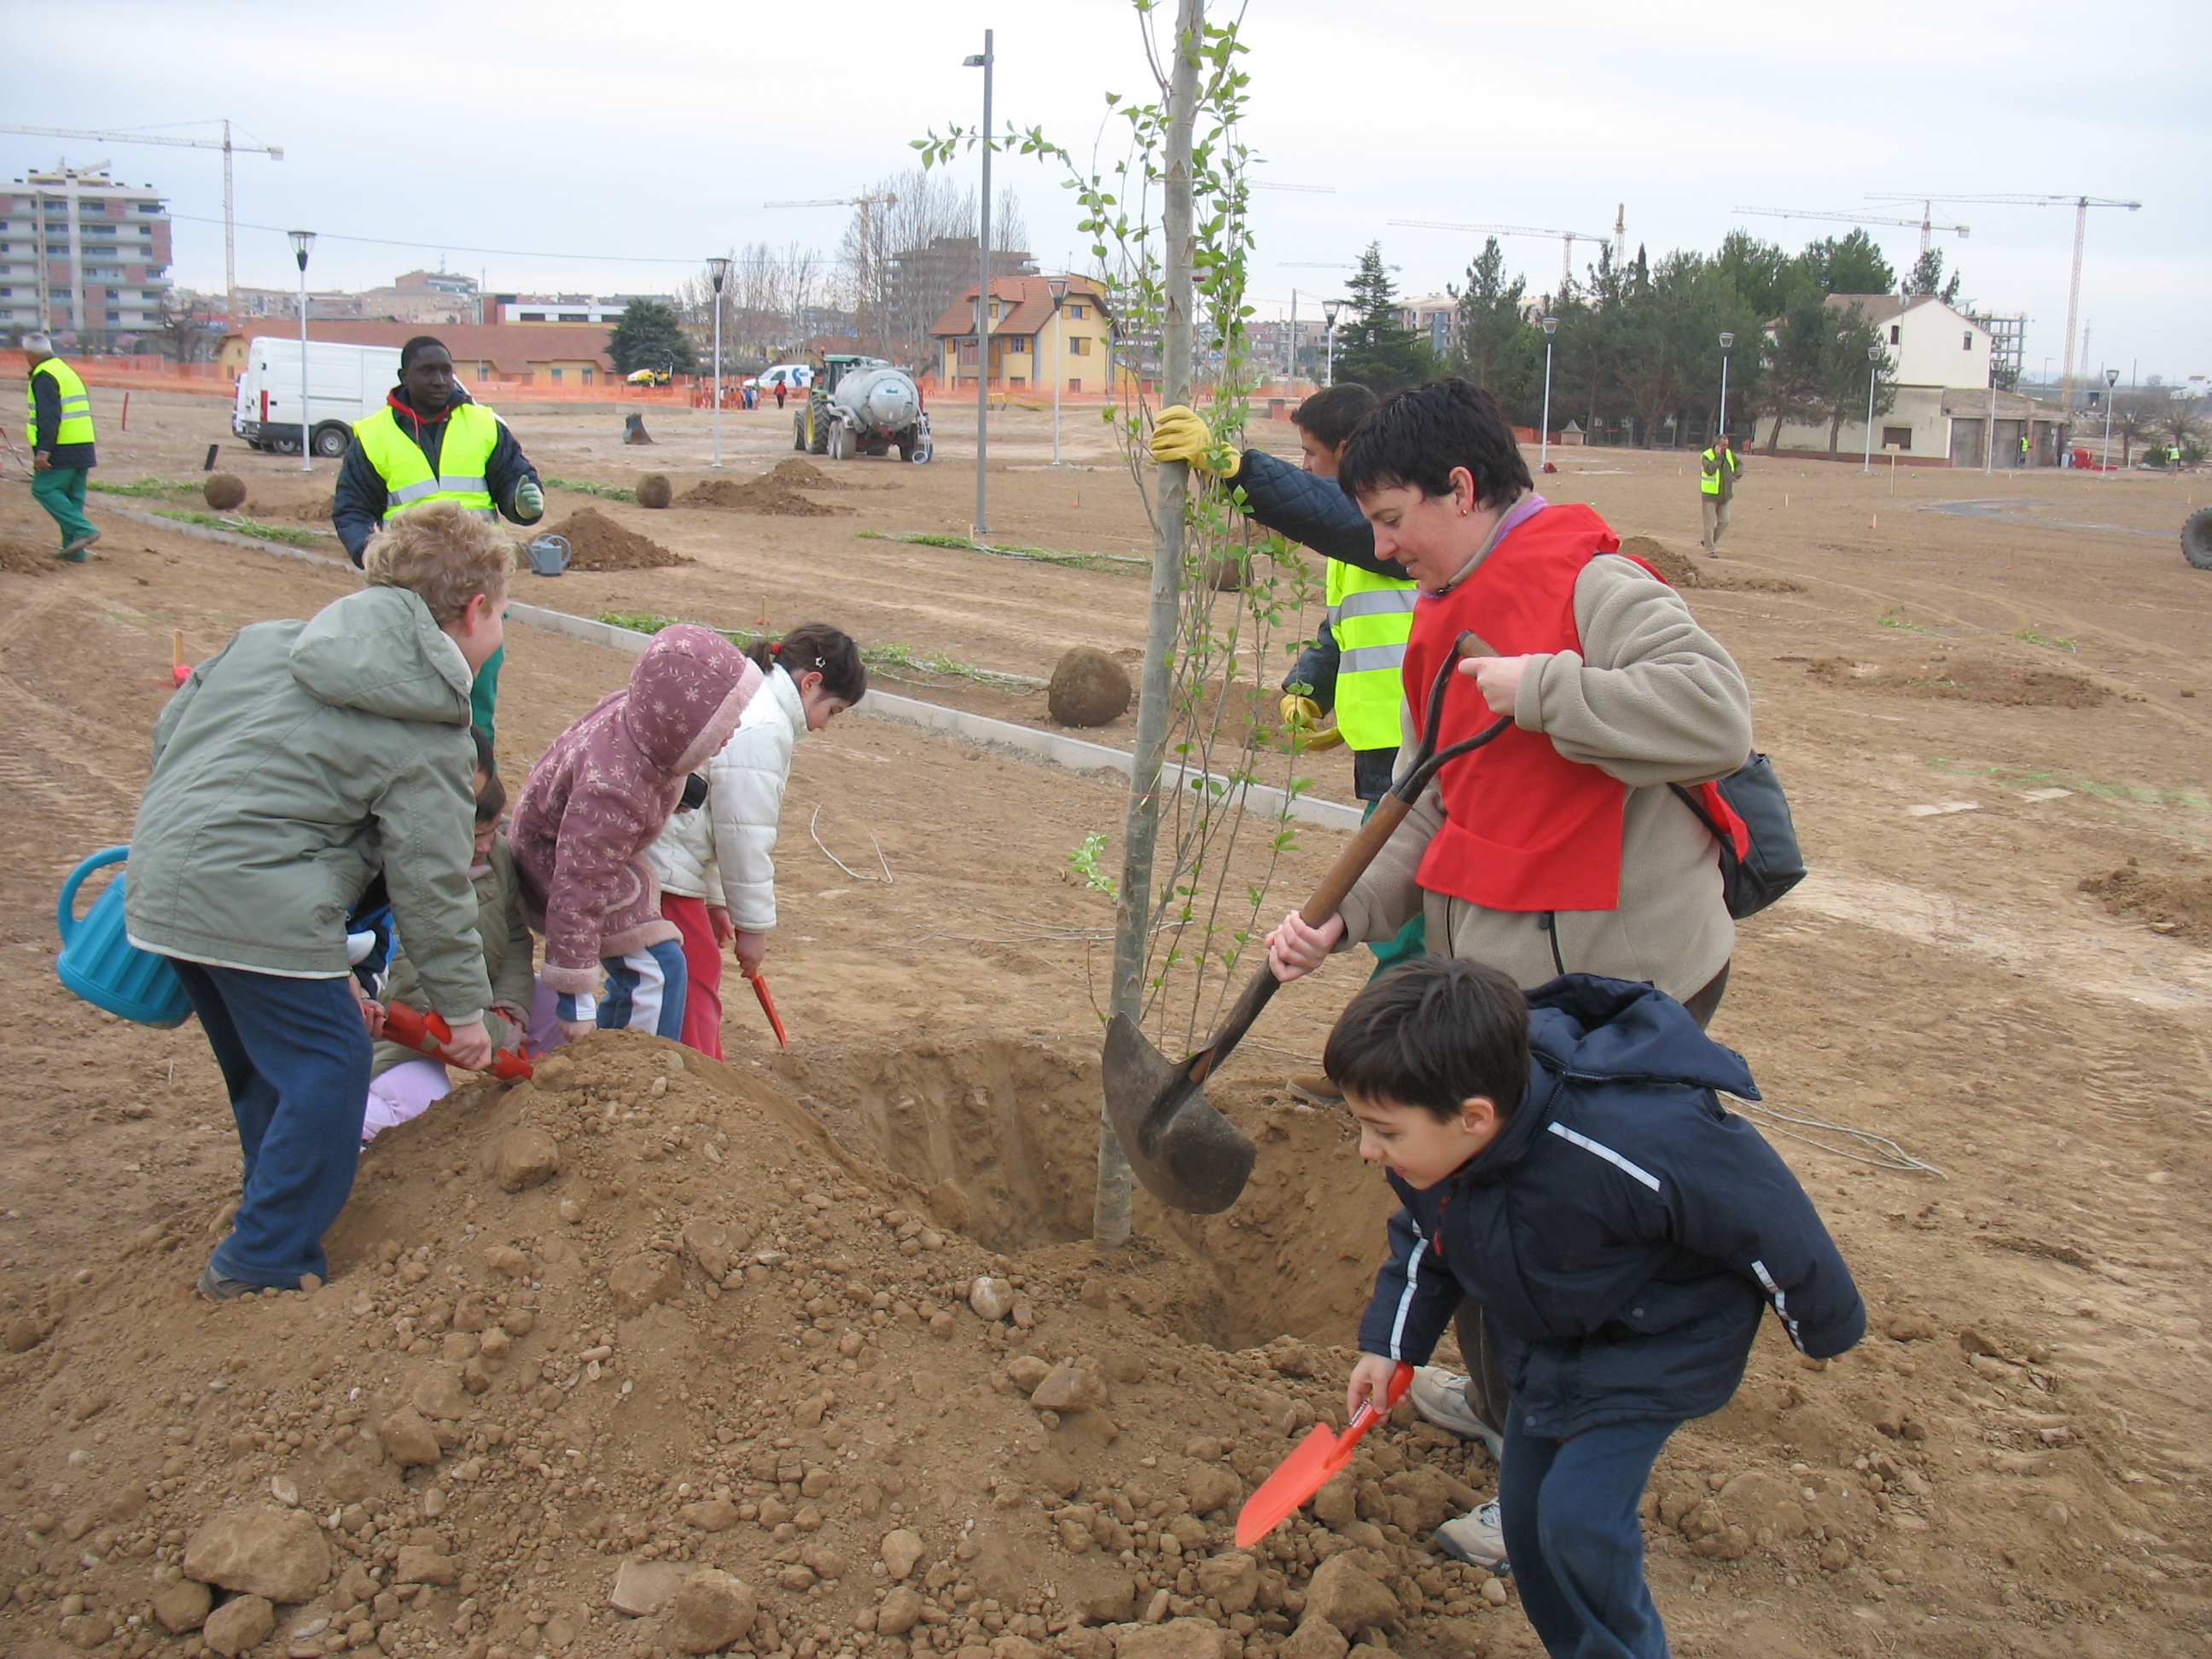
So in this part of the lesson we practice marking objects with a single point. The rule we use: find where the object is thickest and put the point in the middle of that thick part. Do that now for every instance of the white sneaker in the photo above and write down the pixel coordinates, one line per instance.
(1441, 1397)
(1476, 1538)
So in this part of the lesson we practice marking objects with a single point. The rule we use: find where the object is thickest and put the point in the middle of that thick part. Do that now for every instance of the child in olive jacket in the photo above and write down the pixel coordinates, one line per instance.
(1562, 1159)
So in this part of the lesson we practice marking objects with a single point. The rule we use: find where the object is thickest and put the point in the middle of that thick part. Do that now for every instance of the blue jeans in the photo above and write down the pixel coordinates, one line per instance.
(1569, 1510)
(295, 1060)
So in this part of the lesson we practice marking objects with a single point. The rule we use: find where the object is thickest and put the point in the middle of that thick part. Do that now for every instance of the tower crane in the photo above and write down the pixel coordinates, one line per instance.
(1926, 225)
(1569, 238)
(227, 144)
(2081, 204)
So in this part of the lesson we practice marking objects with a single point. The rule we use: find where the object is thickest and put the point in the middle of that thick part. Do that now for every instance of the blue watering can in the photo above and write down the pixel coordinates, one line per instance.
(101, 965)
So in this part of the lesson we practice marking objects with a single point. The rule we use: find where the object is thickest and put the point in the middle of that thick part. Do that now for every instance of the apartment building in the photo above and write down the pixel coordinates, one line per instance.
(82, 256)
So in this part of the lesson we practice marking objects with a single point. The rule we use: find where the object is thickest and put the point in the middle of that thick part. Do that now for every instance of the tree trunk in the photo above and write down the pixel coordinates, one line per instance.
(1835, 430)
(1774, 438)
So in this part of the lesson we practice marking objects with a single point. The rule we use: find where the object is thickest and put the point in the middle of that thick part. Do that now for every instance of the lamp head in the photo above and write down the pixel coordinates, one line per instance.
(1874, 354)
(2112, 377)
(1328, 310)
(973, 60)
(1727, 340)
(303, 244)
(717, 272)
(1058, 287)
(1551, 325)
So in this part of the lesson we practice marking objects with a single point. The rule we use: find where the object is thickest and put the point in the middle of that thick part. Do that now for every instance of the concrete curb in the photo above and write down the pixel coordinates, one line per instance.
(1053, 748)
(229, 539)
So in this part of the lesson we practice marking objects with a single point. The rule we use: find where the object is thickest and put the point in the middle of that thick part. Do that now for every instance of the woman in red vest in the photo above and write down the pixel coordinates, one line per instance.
(1559, 848)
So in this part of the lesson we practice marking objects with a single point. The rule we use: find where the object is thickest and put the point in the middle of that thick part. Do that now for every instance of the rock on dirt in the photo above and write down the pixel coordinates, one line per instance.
(272, 1552)
(183, 1605)
(1178, 1638)
(1088, 688)
(653, 490)
(240, 1626)
(522, 1158)
(709, 1612)
(223, 491)
(1231, 1578)
(643, 1281)
(641, 1588)
(408, 1440)
(899, 1612)
(597, 543)
(902, 1549)
(1348, 1597)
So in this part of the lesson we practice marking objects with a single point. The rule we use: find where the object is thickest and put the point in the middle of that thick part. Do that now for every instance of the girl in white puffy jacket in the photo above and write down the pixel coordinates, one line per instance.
(716, 862)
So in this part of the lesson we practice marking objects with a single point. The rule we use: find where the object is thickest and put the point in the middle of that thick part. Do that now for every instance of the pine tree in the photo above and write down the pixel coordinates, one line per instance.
(647, 336)
(1848, 264)
(1496, 346)
(1372, 349)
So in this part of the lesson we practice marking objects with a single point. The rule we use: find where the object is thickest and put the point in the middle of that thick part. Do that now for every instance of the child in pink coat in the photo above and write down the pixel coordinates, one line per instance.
(593, 805)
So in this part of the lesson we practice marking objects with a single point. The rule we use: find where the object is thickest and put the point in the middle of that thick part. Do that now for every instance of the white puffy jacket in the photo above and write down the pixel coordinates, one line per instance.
(724, 852)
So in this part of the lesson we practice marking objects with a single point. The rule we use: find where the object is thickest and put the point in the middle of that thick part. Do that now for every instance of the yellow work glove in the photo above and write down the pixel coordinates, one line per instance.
(1301, 718)
(1181, 433)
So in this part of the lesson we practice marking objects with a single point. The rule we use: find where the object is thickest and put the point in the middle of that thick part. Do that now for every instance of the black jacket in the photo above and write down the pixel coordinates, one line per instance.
(1623, 1232)
(47, 420)
(357, 507)
(1311, 511)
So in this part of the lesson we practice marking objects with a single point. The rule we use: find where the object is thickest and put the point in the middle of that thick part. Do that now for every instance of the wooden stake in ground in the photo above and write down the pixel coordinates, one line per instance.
(1109, 1215)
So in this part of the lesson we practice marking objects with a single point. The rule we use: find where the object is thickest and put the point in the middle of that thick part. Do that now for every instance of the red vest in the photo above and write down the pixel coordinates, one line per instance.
(1525, 828)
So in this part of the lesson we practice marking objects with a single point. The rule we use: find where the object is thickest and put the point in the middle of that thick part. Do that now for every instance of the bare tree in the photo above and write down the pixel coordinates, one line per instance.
(771, 301)
(901, 262)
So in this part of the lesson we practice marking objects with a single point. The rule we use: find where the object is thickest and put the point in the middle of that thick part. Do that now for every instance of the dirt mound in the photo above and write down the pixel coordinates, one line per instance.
(1682, 570)
(25, 557)
(794, 472)
(766, 494)
(597, 543)
(1965, 680)
(2169, 901)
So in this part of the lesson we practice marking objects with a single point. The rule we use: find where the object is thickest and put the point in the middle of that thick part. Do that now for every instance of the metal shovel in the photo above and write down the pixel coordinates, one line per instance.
(1187, 1155)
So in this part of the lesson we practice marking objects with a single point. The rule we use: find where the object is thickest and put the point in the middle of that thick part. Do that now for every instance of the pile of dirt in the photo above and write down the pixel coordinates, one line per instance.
(766, 494)
(597, 543)
(317, 511)
(1681, 571)
(22, 556)
(595, 1341)
(795, 473)
(1965, 680)
(2169, 902)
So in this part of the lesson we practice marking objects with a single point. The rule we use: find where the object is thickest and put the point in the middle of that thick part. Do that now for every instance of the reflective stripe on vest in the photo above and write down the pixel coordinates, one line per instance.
(1371, 618)
(472, 434)
(1710, 483)
(74, 426)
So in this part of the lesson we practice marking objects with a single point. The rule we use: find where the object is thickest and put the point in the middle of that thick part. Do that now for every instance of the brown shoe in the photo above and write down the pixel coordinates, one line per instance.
(1316, 1088)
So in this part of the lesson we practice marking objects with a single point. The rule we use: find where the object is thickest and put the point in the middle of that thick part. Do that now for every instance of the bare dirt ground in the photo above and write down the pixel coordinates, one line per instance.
(2013, 1463)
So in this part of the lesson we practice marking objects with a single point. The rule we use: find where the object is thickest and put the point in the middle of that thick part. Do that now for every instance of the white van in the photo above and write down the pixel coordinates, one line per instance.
(797, 376)
(346, 384)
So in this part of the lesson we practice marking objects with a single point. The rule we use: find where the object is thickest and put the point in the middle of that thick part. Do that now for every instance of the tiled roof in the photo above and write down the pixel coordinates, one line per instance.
(1031, 298)
(509, 347)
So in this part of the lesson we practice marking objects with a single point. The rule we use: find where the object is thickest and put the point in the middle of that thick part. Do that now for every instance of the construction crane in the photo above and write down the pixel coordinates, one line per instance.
(226, 144)
(1926, 226)
(2081, 204)
(1569, 238)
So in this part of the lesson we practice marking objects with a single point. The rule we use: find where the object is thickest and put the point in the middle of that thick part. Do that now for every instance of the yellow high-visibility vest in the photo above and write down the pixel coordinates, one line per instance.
(472, 434)
(76, 427)
(1371, 618)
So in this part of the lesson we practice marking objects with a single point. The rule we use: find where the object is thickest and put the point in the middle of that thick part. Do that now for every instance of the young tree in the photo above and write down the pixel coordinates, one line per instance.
(1372, 349)
(648, 336)
(1844, 372)
(1848, 264)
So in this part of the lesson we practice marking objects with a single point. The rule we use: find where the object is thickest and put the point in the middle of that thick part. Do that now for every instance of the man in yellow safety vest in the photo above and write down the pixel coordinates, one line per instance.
(58, 420)
(432, 442)
(1718, 469)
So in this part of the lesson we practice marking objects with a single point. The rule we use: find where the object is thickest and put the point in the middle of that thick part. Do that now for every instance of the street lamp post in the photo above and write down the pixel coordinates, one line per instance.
(1874, 374)
(1544, 437)
(983, 60)
(717, 272)
(303, 244)
(1058, 287)
(1328, 310)
(2112, 380)
(1727, 341)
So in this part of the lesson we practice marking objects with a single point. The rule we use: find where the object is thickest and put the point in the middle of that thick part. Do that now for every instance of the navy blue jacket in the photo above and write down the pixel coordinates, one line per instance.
(357, 504)
(1313, 512)
(1623, 1233)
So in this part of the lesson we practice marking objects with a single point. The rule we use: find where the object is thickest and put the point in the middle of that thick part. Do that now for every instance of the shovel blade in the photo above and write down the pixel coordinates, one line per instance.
(1186, 1154)
(1296, 1478)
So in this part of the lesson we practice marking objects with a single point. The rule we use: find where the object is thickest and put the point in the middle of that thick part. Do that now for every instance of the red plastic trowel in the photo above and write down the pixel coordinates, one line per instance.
(768, 1007)
(1317, 1460)
(427, 1034)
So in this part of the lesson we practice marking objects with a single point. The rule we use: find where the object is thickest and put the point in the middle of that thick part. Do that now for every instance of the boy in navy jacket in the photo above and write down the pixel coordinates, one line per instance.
(1563, 1161)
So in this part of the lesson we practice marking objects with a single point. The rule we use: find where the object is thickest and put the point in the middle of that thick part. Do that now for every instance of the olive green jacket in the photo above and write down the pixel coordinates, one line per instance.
(288, 771)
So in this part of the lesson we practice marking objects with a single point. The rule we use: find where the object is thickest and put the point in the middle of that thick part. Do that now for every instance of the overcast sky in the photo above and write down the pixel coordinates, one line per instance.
(656, 128)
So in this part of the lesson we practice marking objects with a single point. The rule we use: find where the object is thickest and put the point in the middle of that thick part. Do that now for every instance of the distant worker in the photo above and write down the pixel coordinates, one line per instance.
(781, 387)
(2022, 461)
(433, 442)
(58, 422)
(1718, 469)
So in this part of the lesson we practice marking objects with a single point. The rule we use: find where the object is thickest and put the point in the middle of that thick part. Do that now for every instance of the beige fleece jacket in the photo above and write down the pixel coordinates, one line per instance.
(1652, 699)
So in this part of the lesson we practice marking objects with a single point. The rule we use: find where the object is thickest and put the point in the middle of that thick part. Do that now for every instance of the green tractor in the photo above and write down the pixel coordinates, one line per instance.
(859, 405)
